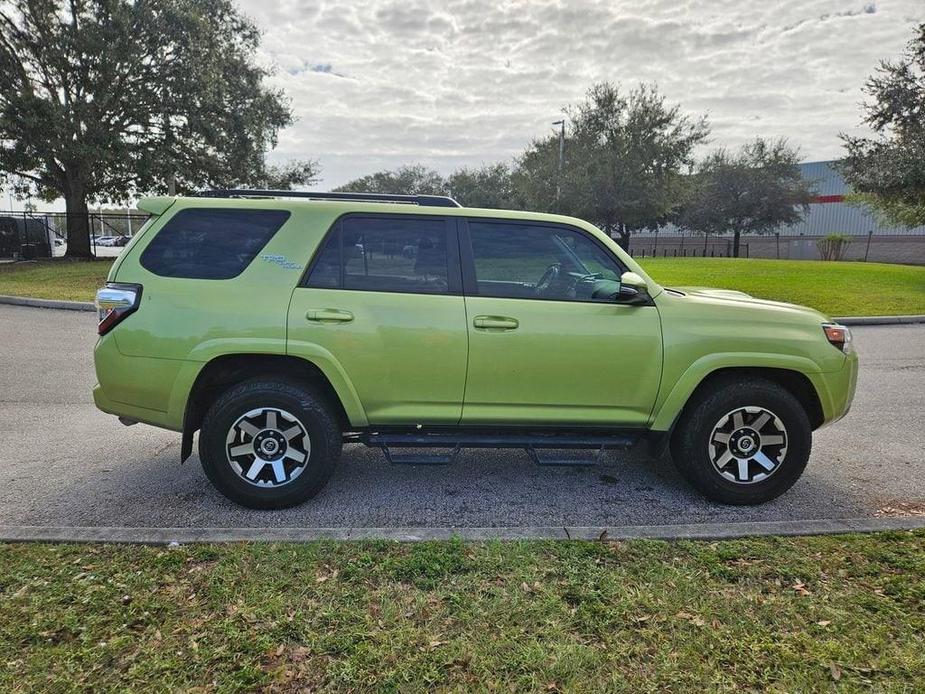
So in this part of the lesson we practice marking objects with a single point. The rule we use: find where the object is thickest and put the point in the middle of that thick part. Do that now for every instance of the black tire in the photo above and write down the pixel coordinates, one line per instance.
(690, 443)
(323, 440)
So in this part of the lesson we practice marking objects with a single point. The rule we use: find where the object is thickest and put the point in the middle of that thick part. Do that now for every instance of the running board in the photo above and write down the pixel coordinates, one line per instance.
(418, 459)
(455, 441)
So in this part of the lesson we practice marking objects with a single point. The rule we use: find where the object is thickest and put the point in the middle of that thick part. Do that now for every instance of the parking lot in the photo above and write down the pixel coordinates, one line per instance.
(67, 464)
(99, 251)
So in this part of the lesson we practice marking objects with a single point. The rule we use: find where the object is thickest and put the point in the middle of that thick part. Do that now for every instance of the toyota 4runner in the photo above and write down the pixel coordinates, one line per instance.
(282, 325)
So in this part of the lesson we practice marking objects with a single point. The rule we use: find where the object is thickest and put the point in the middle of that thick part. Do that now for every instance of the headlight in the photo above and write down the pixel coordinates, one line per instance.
(838, 336)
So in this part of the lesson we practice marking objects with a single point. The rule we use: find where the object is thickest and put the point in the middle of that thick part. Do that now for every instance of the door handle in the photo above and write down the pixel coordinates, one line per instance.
(495, 322)
(329, 315)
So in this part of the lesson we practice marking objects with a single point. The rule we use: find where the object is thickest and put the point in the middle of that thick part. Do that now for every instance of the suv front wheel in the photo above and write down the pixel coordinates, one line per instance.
(269, 444)
(742, 442)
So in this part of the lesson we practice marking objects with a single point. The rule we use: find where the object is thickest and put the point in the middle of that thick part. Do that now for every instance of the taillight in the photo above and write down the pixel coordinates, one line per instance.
(114, 302)
(838, 336)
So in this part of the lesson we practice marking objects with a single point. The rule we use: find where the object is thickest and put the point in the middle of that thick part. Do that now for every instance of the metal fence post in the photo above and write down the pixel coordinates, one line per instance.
(870, 234)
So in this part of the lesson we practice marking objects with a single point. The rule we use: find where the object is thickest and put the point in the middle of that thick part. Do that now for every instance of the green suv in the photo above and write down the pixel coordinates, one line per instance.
(282, 325)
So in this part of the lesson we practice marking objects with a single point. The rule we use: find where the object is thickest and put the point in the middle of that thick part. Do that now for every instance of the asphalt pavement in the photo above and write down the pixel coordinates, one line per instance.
(67, 464)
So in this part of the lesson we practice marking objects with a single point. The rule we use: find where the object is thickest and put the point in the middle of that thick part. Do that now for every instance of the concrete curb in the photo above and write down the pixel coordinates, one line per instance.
(880, 320)
(704, 531)
(47, 303)
(87, 306)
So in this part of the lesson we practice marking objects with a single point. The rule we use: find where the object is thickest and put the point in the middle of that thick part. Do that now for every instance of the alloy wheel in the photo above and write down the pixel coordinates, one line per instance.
(748, 445)
(268, 447)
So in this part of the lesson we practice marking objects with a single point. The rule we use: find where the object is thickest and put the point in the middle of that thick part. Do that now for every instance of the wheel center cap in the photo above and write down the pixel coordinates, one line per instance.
(743, 442)
(269, 444)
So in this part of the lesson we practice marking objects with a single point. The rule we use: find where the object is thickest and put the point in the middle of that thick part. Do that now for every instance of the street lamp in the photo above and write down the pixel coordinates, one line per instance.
(561, 124)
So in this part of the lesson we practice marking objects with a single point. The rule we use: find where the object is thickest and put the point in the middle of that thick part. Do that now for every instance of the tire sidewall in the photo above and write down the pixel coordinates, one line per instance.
(323, 434)
(691, 453)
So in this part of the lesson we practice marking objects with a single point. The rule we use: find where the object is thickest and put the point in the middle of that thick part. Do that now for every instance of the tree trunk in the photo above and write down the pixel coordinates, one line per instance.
(736, 236)
(78, 224)
(624, 237)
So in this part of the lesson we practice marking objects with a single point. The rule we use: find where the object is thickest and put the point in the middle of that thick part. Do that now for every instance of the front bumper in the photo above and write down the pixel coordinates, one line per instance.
(836, 389)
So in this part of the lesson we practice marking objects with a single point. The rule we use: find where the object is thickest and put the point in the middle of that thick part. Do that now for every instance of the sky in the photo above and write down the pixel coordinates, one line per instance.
(375, 84)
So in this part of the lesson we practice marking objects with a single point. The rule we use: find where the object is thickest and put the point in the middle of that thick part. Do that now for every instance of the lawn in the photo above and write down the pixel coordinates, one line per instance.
(838, 289)
(791, 614)
(72, 280)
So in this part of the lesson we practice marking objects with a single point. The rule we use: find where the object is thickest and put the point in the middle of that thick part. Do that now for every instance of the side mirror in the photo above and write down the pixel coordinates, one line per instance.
(633, 289)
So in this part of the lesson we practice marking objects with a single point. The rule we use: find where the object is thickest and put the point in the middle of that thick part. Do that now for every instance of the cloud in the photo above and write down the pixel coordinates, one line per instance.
(295, 67)
(461, 82)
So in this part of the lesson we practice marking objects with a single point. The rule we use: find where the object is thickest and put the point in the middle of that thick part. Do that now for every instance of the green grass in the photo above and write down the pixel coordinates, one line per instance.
(71, 280)
(838, 289)
(789, 614)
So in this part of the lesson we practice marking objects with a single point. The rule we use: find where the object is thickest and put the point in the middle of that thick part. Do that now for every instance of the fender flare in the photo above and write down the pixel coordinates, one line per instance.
(667, 410)
(317, 356)
(337, 376)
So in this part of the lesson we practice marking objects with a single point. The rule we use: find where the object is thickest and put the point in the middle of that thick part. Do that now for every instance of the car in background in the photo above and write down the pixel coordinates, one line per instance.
(24, 238)
(111, 241)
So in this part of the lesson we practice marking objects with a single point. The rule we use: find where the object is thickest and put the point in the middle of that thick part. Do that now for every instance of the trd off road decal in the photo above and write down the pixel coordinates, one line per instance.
(282, 261)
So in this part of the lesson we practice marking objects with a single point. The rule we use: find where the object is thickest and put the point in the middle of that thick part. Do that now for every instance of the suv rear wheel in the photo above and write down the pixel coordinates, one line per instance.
(269, 443)
(742, 442)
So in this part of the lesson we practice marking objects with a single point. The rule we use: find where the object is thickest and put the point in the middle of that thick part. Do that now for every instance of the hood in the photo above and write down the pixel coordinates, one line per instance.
(737, 298)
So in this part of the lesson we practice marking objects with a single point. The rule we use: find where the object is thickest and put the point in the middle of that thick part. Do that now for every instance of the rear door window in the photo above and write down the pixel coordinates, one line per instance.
(386, 254)
(209, 243)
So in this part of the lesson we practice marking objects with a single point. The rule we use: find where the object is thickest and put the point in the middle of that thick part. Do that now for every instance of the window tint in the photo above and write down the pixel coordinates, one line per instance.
(386, 255)
(210, 244)
(326, 270)
(541, 262)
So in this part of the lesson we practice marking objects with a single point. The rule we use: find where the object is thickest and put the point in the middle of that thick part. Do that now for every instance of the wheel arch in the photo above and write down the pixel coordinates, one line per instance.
(224, 371)
(795, 380)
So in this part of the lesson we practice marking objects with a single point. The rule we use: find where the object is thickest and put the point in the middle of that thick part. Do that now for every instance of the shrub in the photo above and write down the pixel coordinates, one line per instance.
(833, 246)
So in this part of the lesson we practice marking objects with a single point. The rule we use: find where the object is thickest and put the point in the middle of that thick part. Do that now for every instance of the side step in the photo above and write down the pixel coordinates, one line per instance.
(417, 459)
(455, 441)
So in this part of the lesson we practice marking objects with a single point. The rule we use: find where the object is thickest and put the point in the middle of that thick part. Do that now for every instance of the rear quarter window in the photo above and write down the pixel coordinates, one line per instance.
(209, 243)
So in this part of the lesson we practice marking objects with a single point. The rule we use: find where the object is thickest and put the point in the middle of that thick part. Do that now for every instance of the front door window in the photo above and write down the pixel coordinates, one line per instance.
(541, 262)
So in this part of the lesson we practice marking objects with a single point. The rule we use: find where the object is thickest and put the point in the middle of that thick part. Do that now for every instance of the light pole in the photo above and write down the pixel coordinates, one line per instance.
(561, 124)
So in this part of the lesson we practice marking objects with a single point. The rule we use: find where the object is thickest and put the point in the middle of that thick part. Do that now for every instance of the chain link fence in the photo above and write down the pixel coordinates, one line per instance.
(680, 247)
(31, 235)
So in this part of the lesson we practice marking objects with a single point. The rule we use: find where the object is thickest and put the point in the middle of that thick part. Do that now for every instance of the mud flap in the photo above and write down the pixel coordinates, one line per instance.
(186, 444)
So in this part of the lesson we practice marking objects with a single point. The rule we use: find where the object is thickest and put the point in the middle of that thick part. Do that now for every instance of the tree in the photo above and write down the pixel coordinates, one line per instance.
(625, 155)
(490, 186)
(108, 99)
(414, 179)
(752, 191)
(888, 171)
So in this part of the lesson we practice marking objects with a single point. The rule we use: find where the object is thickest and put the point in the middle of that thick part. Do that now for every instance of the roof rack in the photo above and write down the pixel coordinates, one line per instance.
(422, 200)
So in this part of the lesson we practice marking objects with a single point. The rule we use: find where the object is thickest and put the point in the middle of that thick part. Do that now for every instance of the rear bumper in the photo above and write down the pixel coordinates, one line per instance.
(147, 389)
(121, 409)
